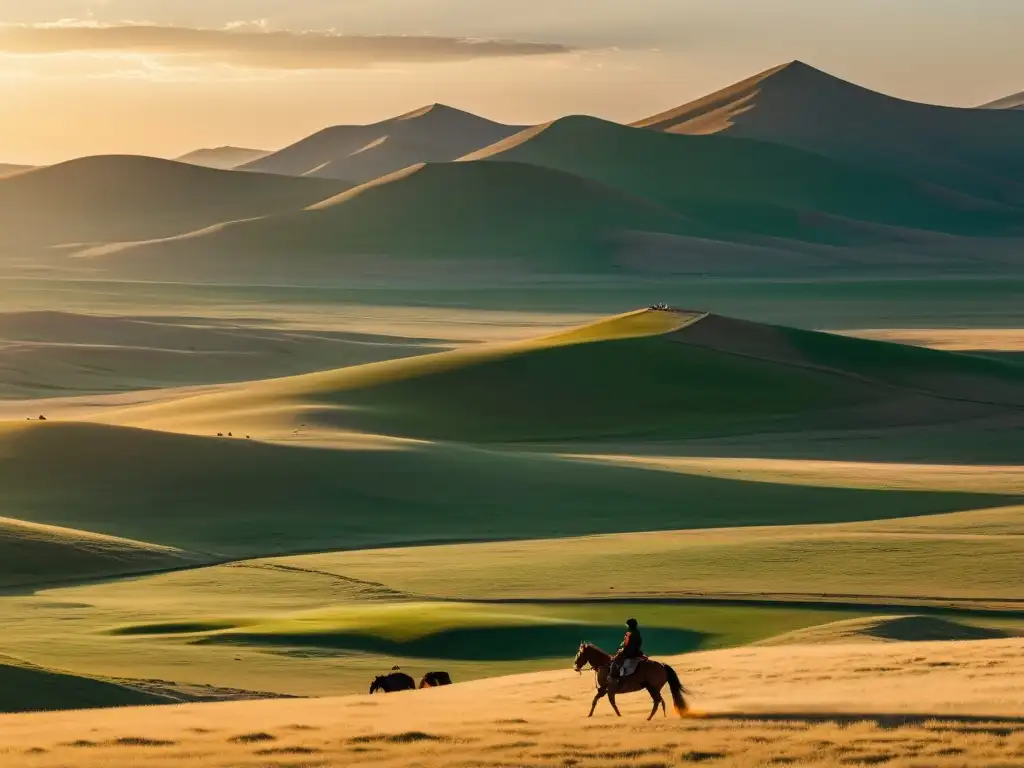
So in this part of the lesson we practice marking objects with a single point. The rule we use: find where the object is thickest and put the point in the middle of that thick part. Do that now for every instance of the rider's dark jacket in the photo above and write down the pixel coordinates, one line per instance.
(632, 646)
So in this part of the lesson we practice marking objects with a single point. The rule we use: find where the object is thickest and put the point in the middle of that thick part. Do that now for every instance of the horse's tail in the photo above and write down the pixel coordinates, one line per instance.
(677, 689)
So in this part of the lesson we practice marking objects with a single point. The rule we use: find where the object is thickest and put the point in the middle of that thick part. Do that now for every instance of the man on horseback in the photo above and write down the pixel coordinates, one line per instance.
(631, 648)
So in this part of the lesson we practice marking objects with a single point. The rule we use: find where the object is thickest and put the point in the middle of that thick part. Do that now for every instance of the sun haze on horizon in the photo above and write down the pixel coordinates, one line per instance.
(140, 76)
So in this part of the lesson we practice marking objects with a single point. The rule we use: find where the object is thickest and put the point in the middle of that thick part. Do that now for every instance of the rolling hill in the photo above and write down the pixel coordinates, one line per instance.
(1016, 101)
(34, 553)
(976, 151)
(720, 178)
(328, 444)
(114, 197)
(47, 354)
(888, 629)
(225, 158)
(938, 704)
(649, 374)
(27, 687)
(235, 497)
(436, 133)
(966, 558)
(6, 169)
(481, 217)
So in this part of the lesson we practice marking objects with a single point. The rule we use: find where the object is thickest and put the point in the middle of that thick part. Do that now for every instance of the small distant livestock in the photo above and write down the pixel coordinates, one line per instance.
(435, 679)
(396, 681)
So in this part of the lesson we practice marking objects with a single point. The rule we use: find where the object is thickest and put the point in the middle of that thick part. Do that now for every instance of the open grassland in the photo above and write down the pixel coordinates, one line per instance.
(347, 497)
(215, 469)
(944, 705)
(46, 354)
(655, 375)
(972, 556)
(475, 310)
(697, 427)
(323, 624)
(268, 626)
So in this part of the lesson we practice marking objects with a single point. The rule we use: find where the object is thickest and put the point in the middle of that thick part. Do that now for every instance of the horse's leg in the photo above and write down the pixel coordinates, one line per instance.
(600, 694)
(611, 700)
(655, 697)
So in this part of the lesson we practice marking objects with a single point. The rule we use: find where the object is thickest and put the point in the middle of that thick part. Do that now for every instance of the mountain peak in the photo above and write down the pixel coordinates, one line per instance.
(432, 110)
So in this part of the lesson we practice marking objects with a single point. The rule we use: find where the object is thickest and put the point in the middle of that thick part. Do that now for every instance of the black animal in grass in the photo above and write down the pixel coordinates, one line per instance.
(396, 681)
(435, 679)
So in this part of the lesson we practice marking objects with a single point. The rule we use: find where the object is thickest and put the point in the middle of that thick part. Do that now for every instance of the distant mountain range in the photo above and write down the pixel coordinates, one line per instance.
(792, 171)
(124, 197)
(976, 151)
(6, 169)
(360, 153)
(224, 158)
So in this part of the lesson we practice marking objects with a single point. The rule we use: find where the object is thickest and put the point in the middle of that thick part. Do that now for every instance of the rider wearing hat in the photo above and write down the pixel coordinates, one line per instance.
(631, 648)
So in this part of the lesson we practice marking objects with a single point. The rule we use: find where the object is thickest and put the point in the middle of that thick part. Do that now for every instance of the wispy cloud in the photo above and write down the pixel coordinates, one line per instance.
(252, 44)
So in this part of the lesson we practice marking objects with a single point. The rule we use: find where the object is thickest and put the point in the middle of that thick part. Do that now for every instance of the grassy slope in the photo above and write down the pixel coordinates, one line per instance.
(679, 376)
(260, 626)
(967, 555)
(943, 705)
(321, 623)
(890, 629)
(669, 376)
(742, 184)
(50, 354)
(28, 688)
(231, 496)
(489, 213)
(32, 553)
(111, 198)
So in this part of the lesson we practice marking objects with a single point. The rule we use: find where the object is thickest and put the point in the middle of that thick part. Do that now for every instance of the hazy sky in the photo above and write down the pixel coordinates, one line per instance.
(163, 77)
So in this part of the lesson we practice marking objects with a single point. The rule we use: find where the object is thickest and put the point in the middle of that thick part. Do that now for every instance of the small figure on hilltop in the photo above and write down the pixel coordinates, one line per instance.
(41, 417)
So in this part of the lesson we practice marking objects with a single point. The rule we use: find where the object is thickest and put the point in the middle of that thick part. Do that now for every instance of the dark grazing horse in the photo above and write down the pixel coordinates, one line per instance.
(435, 679)
(650, 676)
(396, 681)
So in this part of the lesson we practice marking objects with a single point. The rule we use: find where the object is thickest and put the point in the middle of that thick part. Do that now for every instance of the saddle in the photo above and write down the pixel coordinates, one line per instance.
(629, 665)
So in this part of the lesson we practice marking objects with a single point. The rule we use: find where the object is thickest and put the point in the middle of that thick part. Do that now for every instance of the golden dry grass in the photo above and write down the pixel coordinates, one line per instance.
(940, 705)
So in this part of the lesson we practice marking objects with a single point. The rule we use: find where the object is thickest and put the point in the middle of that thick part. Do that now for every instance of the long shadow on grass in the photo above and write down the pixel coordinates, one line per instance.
(477, 644)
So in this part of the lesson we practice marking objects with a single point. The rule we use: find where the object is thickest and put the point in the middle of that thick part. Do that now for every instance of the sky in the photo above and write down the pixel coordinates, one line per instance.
(164, 77)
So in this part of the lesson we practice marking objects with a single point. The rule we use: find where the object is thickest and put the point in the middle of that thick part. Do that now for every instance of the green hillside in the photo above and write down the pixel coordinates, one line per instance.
(126, 197)
(237, 497)
(28, 688)
(484, 438)
(528, 217)
(744, 184)
(31, 553)
(969, 556)
(693, 376)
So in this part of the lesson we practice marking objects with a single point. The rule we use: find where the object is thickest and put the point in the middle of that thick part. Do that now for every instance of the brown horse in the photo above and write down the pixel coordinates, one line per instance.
(435, 679)
(650, 676)
(396, 681)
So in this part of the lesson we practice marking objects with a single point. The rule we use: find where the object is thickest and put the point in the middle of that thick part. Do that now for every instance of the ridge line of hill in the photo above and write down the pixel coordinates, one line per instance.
(676, 338)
